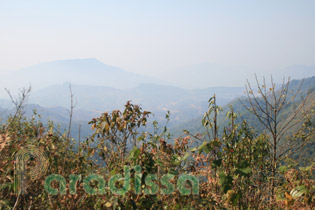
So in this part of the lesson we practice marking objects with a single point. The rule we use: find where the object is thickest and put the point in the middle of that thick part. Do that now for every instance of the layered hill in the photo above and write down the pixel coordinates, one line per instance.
(183, 104)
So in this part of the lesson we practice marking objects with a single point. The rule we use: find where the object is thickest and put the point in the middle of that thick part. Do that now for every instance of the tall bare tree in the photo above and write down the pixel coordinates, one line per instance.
(18, 103)
(278, 110)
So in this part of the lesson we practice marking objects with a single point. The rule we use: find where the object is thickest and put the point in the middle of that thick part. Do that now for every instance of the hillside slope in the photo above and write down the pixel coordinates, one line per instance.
(195, 125)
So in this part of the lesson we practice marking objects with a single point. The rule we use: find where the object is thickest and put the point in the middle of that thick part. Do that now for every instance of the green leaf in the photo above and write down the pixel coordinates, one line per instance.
(242, 164)
(217, 163)
(159, 163)
(243, 171)
(205, 147)
(298, 191)
(134, 153)
(283, 169)
(185, 156)
(225, 182)
(194, 149)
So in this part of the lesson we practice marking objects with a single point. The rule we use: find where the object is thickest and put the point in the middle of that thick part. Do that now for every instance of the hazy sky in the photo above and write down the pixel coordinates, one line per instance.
(153, 37)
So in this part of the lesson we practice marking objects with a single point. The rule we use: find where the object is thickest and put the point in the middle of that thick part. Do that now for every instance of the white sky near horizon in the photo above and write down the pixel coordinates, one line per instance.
(160, 37)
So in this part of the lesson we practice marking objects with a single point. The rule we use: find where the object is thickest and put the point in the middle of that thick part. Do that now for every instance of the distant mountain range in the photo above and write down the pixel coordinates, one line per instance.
(78, 71)
(99, 87)
(183, 104)
(92, 72)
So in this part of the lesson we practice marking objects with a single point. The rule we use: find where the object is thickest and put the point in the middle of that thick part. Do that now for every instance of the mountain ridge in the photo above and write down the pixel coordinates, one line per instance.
(88, 71)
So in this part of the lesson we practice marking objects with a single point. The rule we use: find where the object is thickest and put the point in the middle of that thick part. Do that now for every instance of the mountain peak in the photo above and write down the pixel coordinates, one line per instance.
(87, 71)
(77, 60)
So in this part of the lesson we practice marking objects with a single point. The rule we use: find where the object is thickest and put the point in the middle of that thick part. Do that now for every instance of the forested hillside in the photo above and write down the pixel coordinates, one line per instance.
(195, 125)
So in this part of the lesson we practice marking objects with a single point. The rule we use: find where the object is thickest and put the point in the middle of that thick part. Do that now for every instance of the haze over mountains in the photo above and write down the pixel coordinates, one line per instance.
(92, 72)
(78, 71)
(99, 87)
(182, 103)
(206, 75)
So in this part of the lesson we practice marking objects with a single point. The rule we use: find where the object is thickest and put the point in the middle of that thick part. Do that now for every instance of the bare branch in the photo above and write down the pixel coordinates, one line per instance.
(18, 103)
(72, 105)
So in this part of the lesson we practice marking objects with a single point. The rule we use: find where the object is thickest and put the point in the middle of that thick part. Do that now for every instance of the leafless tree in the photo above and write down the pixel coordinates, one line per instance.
(72, 105)
(278, 110)
(18, 103)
